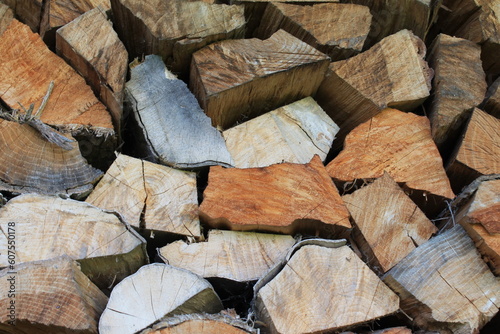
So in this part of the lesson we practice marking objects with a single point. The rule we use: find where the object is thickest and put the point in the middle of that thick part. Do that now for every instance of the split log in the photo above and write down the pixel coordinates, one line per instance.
(173, 127)
(293, 133)
(6, 16)
(338, 30)
(478, 153)
(152, 293)
(392, 74)
(400, 144)
(237, 80)
(174, 29)
(91, 46)
(236, 256)
(459, 85)
(283, 198)
(51, 296)
(48, 226)
(397, 330)
(444, 284)
(150, 196)
(491, 103)
(324, 286)
(388, 225)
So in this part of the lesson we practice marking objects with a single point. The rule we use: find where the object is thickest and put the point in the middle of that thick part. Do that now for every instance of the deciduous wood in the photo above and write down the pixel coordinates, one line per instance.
(6, 16)
(293, 133)
(285, 198)
(491, 103)
(237, 80)
(445, 285)
(174, 129)
(155, 291)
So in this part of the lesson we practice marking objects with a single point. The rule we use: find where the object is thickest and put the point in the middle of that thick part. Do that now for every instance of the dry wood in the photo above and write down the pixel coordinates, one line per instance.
(152, 293)
(285, 198)
(388, 224)
(323, 290)
(445, 285)
(237, 256)
(390, 74)
(150, 196)
(396, 330)
(338, 30)
(240, 79)
(6, 16)
(293, 133)
(51, 296)
(173, 127)
(459, 85)
(491, 103)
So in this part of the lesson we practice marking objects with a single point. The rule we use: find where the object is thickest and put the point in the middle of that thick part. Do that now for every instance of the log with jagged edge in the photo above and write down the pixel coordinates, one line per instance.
(174, 29)
(293, 133)
(329, 287)
(237, 80)
(282, 198)
(150, 196)
(91, 46)
(388, 225)
(491, 103)
(48, 226)
(338, 30)
(154, 292)
(478, 153)
(444, 284)
(459, 85)
(401, 144)
(392, 73)
(51, 296)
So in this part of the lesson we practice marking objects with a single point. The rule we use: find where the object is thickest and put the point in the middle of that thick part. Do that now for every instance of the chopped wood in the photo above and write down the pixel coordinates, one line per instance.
(240, 256)
(51, 296)
(150, 196)
(236, 80)
(6, 16)
(338, 30)
(389, 225)
(459, 86)
(293, 133)
(445, 285)
(174, 129)
(491, 103)
(284, 198)
(396, 330)
(323, 284)
(392, 74)
(156, 291)
(49, 226)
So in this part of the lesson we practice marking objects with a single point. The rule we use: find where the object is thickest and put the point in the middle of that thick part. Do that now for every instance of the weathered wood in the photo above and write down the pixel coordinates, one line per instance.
(445, 285)
(388, 225)
(293, 133)
(397, 330)
(324, 291)
(237, 256)
(6, 16)
(173, 127)
(152, 293)
(491, 103)
(459, 85)
(51, 296)
(392, 73)
(150, 196)
(237, 80)
(285, 198)
(49, 226)
(174, 29)
(338, 30)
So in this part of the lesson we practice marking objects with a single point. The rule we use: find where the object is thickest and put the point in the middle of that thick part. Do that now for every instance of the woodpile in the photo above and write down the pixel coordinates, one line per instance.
(249, 166)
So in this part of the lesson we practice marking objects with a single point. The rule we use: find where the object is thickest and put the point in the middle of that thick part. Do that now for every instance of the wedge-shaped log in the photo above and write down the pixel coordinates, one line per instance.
(392, 73)
(172, 127)
(293, 133)
(51, 296)
(237, 80)
(48, 226)
(150, 196)
(491, 103)
(338, 30)
(388, 224)
(155, 291)
(329, 288)
(444, 284)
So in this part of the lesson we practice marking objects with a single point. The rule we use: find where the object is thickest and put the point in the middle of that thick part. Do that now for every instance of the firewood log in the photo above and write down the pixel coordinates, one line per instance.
(491, 103)
(6, 16)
